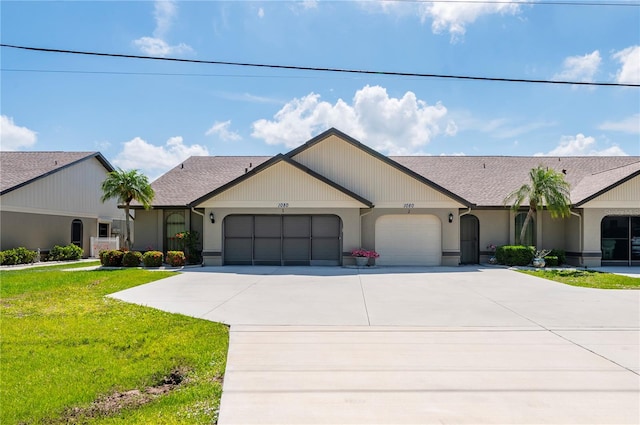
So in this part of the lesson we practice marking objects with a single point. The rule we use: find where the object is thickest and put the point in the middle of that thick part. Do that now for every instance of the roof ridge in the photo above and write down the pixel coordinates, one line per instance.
(615, 168)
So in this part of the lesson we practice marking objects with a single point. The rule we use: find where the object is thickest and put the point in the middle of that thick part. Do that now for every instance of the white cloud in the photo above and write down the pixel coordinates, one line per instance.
(455, 17)
(155, 160)
(580, 145)
(630, 60)
(628, 125)
(221, 129)
(164, 13)
(158, 47)
(260, 13)
(13, 137)
(580, 68)
(395, 126)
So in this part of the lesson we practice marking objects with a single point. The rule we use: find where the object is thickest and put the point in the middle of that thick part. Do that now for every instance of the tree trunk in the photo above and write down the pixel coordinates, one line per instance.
(527, 219)
(127, 239)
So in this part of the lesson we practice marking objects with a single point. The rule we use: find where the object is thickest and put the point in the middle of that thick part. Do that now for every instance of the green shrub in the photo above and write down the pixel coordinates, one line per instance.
(515, 255)
(562, 256)
(132, 259)
(176, 258)
(20, 255)
(551, 261)
(63, 253)
(152, 259)
(1, 257)
(111, 258)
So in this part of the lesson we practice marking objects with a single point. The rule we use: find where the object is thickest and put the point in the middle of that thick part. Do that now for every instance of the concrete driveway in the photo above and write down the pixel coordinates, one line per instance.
(413, 345)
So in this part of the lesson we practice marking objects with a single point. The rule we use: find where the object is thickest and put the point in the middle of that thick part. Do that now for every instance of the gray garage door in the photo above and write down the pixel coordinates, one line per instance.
(289, 240)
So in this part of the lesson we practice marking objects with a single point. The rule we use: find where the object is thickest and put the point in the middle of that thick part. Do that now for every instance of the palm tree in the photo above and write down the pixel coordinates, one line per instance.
(546, 188)
(127, 186)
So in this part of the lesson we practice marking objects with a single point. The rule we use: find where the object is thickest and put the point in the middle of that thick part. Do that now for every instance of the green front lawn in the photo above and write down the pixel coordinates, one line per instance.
(68, 353)
(587, 278)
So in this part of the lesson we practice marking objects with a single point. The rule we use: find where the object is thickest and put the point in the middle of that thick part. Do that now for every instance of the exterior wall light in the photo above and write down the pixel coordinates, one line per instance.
(450, 217)
(211, 217)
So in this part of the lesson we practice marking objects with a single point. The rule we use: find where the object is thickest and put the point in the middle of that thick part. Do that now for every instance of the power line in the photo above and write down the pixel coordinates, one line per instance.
(320, 69)
(525, 2)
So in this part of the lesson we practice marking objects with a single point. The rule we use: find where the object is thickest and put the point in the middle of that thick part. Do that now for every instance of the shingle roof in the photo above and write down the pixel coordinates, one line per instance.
(199, 175)
(482, 180)
(597, 183)
(20, 168)
(486, 180)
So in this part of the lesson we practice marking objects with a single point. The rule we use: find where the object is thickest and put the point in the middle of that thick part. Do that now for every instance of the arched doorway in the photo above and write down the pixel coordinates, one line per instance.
(469, 237)
(76, 232)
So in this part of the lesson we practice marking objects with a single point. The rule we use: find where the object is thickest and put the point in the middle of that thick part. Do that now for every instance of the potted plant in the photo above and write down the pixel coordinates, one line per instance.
(538, 258)
(362, 256)
(492, 249)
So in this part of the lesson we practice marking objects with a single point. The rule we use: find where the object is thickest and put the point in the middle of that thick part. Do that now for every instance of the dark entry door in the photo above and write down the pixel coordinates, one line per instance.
(287, 240)
(76, 232)
(469, 236)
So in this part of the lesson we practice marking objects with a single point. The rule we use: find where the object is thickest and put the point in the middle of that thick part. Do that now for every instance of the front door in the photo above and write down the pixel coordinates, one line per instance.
(76, 232)
(469, 236)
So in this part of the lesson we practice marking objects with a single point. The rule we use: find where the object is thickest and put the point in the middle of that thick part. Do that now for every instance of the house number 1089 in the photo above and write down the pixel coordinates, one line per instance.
(408, 205)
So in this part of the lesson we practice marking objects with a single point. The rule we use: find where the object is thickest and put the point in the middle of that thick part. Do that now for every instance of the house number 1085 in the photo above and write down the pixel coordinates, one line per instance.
(408, 205)
(283, 205)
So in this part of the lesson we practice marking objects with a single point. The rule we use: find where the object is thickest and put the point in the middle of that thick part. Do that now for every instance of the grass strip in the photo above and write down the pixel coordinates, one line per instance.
(587, 278)
(67, 349)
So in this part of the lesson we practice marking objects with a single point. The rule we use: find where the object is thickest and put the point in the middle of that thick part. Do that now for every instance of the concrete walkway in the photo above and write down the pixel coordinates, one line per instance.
(413, 346)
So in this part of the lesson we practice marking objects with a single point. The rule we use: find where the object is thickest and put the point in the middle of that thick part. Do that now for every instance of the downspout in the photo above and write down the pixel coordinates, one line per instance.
(580, 235)
(465, 213)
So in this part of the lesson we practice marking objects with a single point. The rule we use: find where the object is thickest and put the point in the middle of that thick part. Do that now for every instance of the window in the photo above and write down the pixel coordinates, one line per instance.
(103, 230)
(174, 224)
(530, 235)
(620, 239)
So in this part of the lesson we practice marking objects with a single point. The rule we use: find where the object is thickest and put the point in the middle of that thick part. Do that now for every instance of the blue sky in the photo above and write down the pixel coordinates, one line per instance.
(151, 115)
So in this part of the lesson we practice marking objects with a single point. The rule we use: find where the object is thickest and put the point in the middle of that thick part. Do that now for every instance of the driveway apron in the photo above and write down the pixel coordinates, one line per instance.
(462, 345)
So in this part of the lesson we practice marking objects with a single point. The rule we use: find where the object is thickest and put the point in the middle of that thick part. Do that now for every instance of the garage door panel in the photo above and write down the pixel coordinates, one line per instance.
(285, 239)
(296, 226)
(238, 250)
(267, 226)
(408, 240)
(325, 249)
(296, 250)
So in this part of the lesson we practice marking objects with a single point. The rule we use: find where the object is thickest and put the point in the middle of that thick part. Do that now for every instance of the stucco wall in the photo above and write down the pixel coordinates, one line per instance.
(148, 230)
(35, 231)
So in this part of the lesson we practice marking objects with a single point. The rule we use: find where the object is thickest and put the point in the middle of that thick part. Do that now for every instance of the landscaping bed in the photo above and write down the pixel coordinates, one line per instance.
(72, 355)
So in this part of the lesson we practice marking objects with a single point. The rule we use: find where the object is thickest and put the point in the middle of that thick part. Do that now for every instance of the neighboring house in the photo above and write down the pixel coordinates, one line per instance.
(53, 198)
(332, 194)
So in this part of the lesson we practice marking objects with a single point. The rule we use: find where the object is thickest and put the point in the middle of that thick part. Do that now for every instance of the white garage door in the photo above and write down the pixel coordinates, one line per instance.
(408, 240)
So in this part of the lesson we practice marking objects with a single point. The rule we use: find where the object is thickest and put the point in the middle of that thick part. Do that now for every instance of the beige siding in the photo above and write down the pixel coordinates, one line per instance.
(73, 191)
(627, 195)
(282, 185)
(371, 178)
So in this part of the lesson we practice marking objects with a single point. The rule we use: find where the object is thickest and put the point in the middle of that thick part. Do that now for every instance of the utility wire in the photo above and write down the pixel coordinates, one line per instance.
(523, 2)
(320, 69)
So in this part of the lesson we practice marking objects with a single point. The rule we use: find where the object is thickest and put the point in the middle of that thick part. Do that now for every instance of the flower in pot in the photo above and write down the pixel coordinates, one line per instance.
(362, 256)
